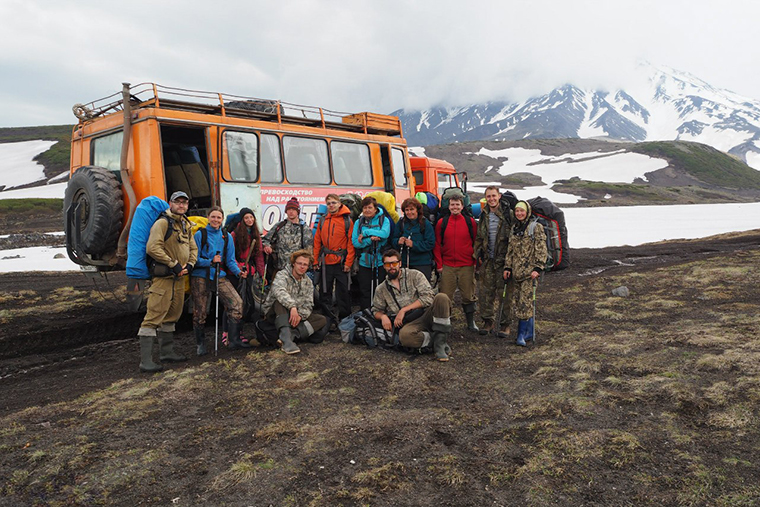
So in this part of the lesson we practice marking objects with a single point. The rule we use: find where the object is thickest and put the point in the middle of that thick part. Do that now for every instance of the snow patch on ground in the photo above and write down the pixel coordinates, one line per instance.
(16, 165)
(40, 258)
(54, 191)
(635, 225)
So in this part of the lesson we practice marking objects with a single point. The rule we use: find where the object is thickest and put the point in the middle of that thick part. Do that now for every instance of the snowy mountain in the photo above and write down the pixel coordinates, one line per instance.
(660, 104)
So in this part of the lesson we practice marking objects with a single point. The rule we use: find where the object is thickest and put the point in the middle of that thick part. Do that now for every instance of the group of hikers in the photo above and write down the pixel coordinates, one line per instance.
(392, 262)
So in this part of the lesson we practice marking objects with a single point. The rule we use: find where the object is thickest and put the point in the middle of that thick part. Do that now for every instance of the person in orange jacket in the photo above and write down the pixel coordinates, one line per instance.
(334, 255)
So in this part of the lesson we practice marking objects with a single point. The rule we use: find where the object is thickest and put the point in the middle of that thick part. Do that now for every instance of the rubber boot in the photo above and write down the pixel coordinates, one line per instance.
(319, 335)
(440, 337)
(522, 329)
(469, 313)
(146, 355)
(200, 340)
(233, 335)
(286, 335)
(166, 343)
(487, 327)
(530, 331)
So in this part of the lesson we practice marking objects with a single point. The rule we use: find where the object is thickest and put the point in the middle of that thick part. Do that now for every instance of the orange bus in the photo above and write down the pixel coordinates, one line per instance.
(220, 149)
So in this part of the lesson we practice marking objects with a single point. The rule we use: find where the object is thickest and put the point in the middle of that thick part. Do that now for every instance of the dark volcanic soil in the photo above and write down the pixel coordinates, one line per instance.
(645, 400)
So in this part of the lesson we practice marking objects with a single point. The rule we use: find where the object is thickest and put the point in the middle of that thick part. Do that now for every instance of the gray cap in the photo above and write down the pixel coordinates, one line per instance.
(176, 195)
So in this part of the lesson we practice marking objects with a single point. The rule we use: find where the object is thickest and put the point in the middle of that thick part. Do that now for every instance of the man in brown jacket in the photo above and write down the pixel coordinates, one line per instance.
(174, 254)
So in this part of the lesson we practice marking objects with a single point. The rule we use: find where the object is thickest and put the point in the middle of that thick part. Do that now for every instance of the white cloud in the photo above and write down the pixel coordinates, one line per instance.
(360, 55)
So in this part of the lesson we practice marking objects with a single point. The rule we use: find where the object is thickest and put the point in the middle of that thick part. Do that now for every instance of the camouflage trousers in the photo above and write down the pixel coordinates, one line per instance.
(523, 299)
(491, 284)
(228, 297)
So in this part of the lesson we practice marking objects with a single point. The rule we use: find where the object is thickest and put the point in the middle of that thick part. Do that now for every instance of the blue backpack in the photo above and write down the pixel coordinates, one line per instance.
(147, 212)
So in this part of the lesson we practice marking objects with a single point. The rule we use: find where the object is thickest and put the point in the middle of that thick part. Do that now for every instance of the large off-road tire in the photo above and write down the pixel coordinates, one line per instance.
(102, 208)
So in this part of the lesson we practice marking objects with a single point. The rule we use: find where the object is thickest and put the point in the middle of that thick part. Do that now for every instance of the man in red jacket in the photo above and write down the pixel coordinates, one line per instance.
(334, 255)
(454, 238)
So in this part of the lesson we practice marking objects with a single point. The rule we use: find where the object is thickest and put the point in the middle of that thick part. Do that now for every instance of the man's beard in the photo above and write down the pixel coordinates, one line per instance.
(392, 275)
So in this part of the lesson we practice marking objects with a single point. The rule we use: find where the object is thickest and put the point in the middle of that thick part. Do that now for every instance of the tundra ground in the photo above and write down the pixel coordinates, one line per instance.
(651, 399)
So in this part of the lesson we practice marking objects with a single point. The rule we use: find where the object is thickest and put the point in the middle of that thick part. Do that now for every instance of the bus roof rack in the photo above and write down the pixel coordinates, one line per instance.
(151, 95)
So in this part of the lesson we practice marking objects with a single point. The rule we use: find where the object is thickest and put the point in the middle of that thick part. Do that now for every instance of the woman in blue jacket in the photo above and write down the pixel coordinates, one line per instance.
(370, 236)
(216, 248)
(414, 238)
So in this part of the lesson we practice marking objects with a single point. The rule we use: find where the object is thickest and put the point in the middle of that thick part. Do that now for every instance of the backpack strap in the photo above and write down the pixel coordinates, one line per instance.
(446, 223)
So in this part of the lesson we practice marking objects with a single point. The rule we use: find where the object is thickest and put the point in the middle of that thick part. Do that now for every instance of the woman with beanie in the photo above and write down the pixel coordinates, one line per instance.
(524, 262)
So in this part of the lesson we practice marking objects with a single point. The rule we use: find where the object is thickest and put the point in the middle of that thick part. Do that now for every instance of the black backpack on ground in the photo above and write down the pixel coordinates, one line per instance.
(552, 218)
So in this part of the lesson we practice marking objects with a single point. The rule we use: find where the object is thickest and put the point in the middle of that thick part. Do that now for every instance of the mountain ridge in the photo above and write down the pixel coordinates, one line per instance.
(661, 104)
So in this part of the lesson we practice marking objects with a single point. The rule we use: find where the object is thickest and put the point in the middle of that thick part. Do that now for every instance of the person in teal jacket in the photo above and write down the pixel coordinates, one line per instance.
(414, 238)
(370, 236)
(216, 248)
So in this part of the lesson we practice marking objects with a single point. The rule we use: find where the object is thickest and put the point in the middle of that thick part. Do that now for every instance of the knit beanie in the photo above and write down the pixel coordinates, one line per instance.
(245, 211)
(293, 204)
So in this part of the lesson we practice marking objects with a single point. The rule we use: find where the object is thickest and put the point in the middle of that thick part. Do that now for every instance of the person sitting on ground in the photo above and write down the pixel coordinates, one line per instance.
(176, 255)
(216, 255)
(288, 235)
(334, 255)
(453, 257)
(491, 245)
(370, 235)
(524, 263)
(414, 237)
(290, 302)
(405, 301)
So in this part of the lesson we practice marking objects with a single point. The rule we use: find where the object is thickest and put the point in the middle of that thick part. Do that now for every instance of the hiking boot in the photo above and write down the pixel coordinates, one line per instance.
(166, 343)
(504, 333)
(200, 340)
(233, 335)
(487, 327)
(469, 313)
(146, 355)
(286, 341)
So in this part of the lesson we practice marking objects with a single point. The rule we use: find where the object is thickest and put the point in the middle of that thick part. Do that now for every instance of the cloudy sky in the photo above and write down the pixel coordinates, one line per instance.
(360, 55)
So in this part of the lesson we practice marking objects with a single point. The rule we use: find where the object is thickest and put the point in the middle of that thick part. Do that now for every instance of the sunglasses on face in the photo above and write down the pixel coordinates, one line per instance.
(392, 264)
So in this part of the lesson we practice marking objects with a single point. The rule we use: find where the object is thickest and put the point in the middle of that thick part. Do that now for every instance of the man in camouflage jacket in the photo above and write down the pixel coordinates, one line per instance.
(290, 302)
(491, 243)
(288, 235)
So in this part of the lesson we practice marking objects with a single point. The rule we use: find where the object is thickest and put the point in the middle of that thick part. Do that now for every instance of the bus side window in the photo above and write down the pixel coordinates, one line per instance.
(399, 168)
(271, 160)
(306, 160)
(351, 165)
(242, 156)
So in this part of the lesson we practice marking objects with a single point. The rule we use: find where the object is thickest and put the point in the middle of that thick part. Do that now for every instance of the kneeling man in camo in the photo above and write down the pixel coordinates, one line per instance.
(405, 301)
(290, 302)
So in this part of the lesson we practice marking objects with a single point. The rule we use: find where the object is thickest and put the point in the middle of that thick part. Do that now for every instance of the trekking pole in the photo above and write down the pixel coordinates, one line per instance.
(216, 327)
(374, 272)
(534, 310)
(501, 306)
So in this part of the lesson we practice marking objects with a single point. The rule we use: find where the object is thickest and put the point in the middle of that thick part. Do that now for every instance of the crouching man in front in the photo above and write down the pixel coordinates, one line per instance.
(290, 302)
(405, 301)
